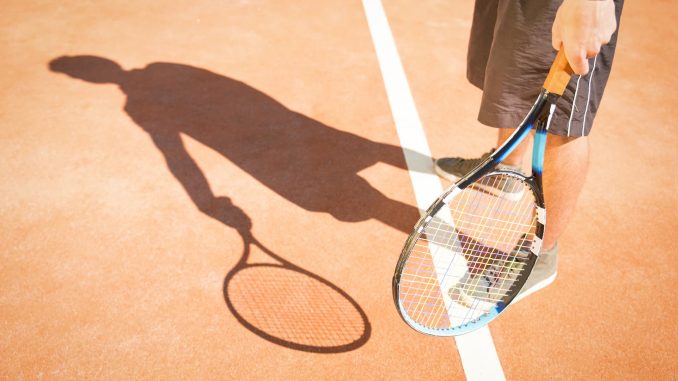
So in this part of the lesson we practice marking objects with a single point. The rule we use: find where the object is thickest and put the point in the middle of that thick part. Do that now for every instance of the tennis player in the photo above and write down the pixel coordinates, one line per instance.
(509, 55)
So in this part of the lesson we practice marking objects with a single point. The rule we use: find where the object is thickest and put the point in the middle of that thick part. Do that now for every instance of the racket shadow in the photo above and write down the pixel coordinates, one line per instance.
(293, 307)
(284, 303)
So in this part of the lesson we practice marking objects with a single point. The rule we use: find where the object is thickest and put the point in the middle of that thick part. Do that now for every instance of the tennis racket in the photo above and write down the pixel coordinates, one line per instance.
(473, 249)
(286, 304)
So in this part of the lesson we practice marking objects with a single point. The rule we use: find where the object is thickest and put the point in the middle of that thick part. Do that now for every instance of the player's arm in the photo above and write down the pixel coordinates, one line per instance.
(582, 27)
(185, 169)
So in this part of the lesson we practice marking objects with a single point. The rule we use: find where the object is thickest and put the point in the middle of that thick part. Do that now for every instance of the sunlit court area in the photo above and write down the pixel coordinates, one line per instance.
(221, 190)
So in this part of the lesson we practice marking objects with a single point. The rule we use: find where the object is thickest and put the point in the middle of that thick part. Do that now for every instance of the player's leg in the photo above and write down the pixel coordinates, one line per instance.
(479, 47)
(515, 158)
(565, 167)
(510, 83)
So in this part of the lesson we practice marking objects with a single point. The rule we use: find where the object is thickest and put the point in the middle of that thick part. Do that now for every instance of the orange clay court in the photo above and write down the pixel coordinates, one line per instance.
(217, 191)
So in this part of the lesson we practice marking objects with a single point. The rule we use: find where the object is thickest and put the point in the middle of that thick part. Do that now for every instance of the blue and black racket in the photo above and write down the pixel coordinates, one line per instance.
(472, 251)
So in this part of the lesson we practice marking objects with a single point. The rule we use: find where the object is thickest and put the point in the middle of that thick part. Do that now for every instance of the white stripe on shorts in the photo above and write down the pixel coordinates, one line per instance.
(583, 122)
(574, 101)
(574, 106)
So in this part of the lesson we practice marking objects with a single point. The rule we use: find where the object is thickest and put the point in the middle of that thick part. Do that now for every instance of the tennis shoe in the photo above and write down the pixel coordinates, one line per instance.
(493, 283)
(543, 273)
(454, 168)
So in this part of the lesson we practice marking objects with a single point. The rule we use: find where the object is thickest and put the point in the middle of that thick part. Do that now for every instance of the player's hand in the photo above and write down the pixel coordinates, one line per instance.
(582, 27)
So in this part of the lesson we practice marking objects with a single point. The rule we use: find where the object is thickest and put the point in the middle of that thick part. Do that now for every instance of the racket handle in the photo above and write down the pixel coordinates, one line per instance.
(559, 75)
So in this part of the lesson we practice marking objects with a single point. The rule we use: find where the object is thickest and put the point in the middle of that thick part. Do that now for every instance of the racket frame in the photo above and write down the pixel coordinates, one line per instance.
(248, 242)
(538, 118)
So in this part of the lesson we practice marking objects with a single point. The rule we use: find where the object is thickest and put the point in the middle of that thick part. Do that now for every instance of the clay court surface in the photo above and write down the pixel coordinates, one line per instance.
(128, 197)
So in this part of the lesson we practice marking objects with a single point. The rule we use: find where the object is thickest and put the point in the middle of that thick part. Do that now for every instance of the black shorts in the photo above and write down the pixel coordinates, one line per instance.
(509, 56)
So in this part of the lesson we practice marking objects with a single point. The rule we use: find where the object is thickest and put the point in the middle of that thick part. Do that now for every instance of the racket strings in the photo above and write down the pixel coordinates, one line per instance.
(295, 307)
(469, 251)
(470, 255)
(490, 234)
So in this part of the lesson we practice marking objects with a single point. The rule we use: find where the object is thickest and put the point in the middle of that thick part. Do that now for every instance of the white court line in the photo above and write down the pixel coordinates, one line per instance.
(476, 349)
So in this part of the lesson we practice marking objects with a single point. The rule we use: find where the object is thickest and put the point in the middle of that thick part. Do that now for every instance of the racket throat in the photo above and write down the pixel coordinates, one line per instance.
(539, 147)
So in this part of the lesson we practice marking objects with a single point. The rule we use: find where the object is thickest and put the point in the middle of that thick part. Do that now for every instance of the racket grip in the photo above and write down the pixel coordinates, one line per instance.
(559, 75)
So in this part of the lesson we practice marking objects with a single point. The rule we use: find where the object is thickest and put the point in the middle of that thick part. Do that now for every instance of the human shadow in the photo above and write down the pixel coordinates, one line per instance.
(309, 163)
(313, 165)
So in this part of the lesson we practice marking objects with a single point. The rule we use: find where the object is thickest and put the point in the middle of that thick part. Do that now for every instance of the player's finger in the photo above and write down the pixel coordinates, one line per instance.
(576, 56)
(593, 49)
